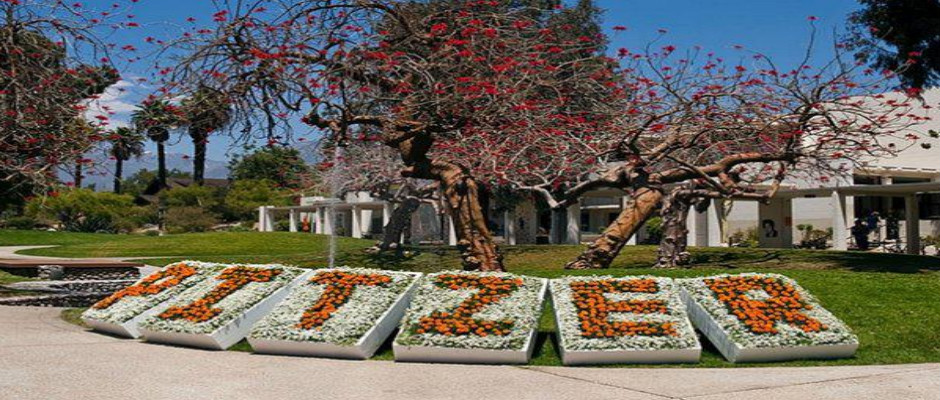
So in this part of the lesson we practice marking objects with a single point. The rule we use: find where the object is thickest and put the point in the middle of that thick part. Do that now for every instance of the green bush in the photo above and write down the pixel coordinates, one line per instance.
(654, 230)
(245, 196)
(20, 222)
(189, 219)
(192, 196)
(746, 238)
(83, 210)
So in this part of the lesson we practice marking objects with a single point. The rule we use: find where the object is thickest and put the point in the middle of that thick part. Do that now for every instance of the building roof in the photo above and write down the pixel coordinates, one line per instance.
(898, 189)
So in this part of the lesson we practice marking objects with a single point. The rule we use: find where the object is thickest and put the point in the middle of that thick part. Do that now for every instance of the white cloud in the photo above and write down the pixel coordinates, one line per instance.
(115, 105)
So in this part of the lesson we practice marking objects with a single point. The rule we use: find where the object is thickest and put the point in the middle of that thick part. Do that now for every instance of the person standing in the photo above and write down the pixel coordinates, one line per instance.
(860, 231)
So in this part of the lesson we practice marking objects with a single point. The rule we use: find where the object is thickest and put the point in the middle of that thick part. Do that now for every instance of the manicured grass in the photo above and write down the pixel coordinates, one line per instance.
(25, 238)
(891, 301)
(6, 277)
(229, 244)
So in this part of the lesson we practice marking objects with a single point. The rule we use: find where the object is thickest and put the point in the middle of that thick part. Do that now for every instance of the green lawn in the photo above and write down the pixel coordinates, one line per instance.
(891, 301)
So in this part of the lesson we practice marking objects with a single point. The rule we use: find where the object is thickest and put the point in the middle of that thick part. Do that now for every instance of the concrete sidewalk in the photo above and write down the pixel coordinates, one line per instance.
(43, 357)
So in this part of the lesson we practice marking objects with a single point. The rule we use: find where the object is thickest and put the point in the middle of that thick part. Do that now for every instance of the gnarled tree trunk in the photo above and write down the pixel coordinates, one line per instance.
(600, 253)
(399, 221)
(672, 250)
(460, 194)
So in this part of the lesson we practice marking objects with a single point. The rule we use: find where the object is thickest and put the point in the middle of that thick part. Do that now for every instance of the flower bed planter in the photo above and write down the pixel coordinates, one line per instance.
(121, 312)
(219, 311)
(472, 317)
(764, 317)
(339, 313)
(605, 320)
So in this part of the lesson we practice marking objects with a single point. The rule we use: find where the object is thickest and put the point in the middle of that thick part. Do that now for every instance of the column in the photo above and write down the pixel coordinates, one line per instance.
(318, 220)
(776, 223)
(556, 234)
(573, 228)
(840, 231)
(261, 222)
(912, 224)
(328, 215)
(269, 218)
(356, 222)
(387, 210)
(294, 217)
(451, 231)
(697, 224)
(714, 223)
(509, 227)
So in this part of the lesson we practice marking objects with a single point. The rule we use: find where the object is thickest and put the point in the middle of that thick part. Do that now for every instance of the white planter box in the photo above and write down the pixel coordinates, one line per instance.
(230, 333)
(364, 348)
(736, 353)
(128, 328)
(690, 354)
(625, 356)
(434, 354)
(674, 356)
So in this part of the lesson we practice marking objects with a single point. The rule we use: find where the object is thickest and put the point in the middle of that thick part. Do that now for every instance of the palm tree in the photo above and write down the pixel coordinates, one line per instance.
(156, 117)
(207, 110)
(125, 144)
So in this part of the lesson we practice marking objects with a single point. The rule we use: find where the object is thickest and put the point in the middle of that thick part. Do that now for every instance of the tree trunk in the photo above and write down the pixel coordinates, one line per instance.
(461, 196)
(600, 253)
(78, 174)
(393, 231)
(118, 172)
(199, 158)
(460, 193)
(673, 249)
(161, 164)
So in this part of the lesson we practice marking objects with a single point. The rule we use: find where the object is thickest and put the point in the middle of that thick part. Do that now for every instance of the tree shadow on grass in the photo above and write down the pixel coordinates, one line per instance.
(813, 259)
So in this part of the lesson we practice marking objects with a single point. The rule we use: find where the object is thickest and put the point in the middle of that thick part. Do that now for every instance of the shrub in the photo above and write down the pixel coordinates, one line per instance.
(20, 222)
(189, 219)
(192, 196)
(746, 238)
(654, 230)
(245, 196)
(83, 210)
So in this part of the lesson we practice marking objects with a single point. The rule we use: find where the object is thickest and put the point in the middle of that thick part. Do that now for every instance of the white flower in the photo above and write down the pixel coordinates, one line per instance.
(129, 307)
(569, 323)
(232, 306)
(836, 331)
(523, 307)
(348, 323)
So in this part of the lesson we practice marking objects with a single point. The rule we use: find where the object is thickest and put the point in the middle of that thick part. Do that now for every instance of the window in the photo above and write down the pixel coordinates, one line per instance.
(929, 204)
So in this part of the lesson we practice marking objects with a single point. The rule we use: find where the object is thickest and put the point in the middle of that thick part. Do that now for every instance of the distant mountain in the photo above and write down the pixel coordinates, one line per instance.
(101, 176)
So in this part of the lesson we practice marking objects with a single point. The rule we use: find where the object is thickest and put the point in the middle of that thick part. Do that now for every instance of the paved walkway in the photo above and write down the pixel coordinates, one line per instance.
(43, 357)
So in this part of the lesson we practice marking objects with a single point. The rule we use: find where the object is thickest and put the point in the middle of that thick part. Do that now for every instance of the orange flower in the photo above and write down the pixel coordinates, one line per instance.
(594, 309)
(233, 278)
(460, 321)
(761, 316)
(339, 287)
(151, 285)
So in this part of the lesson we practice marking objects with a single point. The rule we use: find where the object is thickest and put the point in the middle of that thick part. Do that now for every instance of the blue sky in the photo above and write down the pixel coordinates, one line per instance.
(778, 28)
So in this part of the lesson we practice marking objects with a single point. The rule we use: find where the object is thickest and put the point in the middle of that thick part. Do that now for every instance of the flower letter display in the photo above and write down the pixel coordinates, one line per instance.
(122, 311)
(472, 317)
(219, 311)
(604, 320)
(341, 312)
(765, 317)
